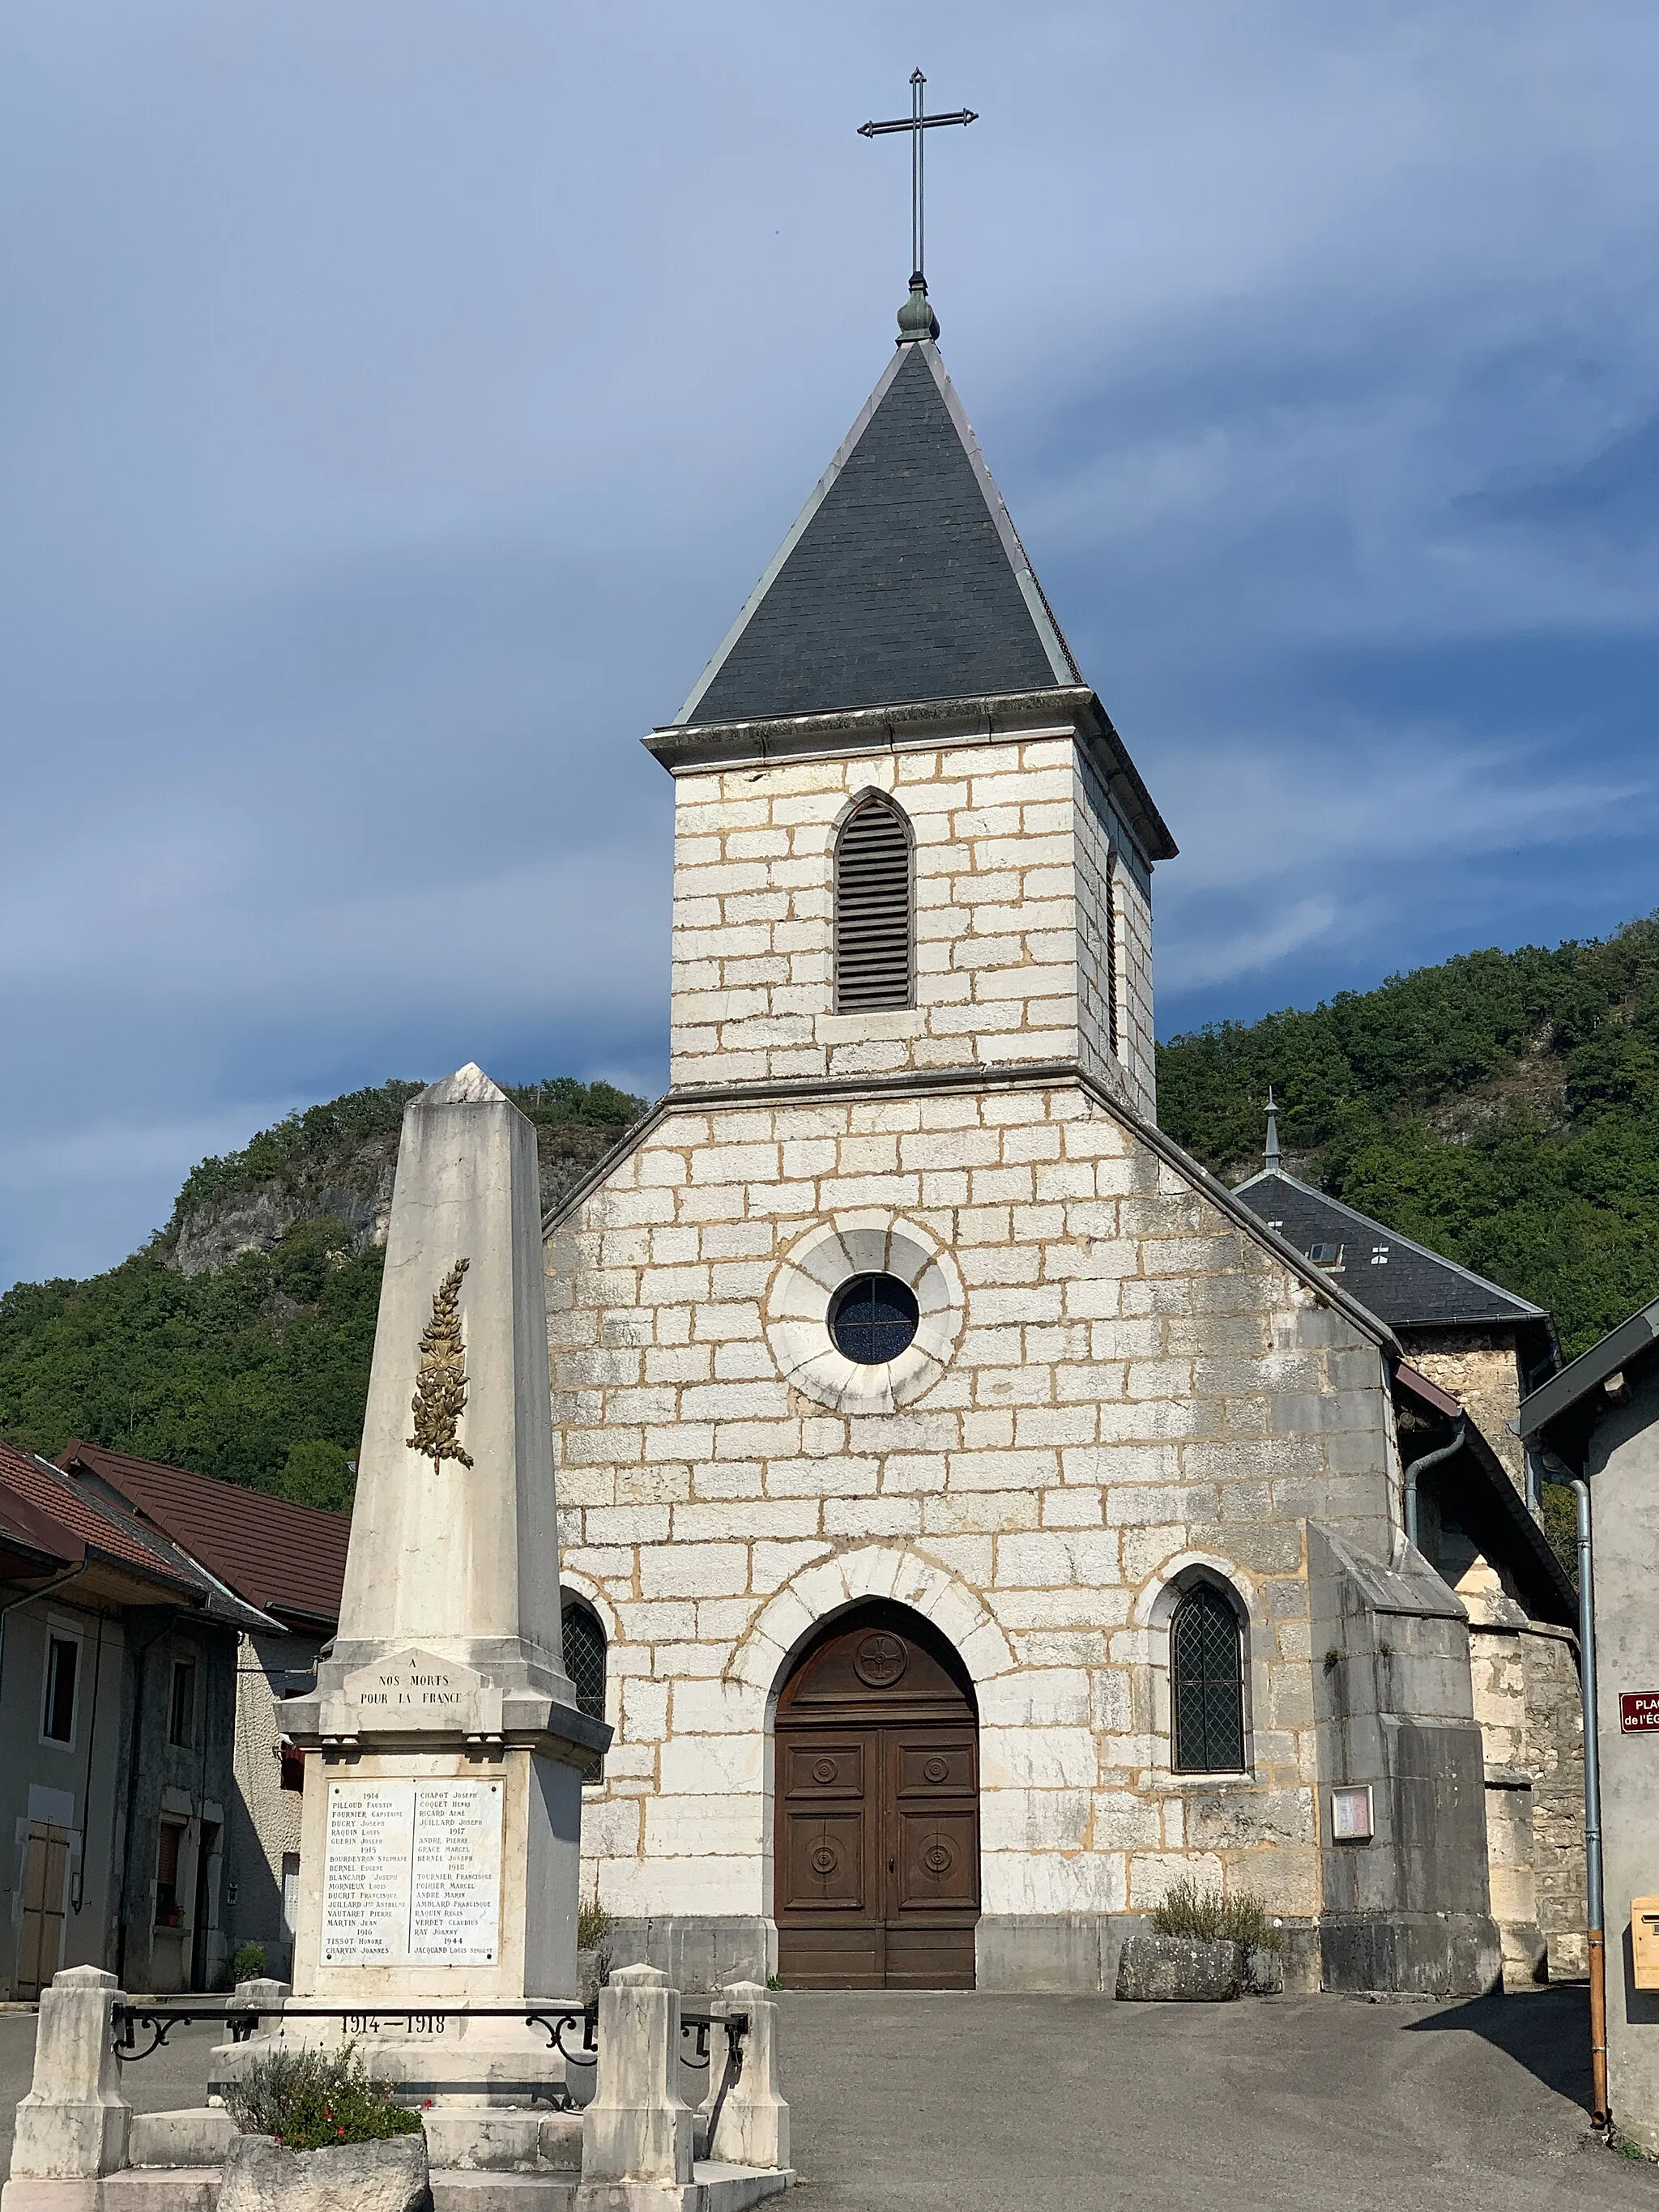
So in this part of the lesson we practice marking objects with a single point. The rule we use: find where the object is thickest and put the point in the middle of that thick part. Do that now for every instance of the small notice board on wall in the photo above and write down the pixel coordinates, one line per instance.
(1638, 1713)
(412, 1873)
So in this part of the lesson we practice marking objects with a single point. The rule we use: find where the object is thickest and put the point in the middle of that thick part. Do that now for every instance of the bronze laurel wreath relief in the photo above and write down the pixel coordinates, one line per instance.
(440, 1397)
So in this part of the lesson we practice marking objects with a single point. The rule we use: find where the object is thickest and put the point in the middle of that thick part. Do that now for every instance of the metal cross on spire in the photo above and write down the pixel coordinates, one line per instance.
(916, 123)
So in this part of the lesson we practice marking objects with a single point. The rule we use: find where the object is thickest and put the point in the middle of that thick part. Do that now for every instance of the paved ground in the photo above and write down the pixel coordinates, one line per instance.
(921, 2103)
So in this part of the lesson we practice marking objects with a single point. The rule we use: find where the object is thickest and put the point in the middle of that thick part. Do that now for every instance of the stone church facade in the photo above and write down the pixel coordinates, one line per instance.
(989, 1518)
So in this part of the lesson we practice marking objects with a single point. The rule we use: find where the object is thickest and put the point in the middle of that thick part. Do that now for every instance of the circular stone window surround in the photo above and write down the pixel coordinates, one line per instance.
(815, 1268)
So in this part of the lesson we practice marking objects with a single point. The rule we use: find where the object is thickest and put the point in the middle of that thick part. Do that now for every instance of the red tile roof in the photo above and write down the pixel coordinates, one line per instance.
(94, 1525)
(24, 1529)
(285, 1558)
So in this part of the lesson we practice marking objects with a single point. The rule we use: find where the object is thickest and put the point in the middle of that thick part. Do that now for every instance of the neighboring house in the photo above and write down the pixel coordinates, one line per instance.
(1472, 1349)
(117, 1693)
(1598, 1421)
(289, 1562)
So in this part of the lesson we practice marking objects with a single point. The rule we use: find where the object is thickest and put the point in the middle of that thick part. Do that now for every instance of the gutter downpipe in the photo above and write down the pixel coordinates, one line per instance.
(1596, 1941)
(1420, 1467)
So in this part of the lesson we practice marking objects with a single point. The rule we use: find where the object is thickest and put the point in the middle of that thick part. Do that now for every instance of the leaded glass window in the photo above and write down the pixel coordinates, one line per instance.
(872, 1319)
(1206, 1683)
(584, 1662)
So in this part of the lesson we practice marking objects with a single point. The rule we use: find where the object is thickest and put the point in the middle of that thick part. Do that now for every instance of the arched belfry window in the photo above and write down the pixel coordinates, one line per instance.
(1206, 1683)
(584, 1656)
(874, 918)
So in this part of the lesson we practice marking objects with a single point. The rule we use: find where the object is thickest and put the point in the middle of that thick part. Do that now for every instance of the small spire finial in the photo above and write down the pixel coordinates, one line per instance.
(1271, 1157)
(916, 318)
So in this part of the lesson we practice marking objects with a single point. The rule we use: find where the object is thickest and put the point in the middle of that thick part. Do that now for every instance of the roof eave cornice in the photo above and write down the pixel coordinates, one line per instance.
(974, 718)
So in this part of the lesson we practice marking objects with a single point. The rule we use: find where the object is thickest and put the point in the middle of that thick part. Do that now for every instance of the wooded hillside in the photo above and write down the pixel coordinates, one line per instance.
(1503, 1108)
(238, 1341)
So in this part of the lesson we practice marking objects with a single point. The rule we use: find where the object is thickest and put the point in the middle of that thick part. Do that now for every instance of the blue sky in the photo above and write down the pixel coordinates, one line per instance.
(399, 400)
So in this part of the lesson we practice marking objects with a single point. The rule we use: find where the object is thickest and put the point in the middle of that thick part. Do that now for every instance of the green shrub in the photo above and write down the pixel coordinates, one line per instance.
(593, 1924)
(310, 2100)
(1189, 1910)
(247, 1962)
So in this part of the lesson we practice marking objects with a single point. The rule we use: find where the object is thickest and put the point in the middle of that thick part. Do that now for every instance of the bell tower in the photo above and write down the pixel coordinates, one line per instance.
(892, 768)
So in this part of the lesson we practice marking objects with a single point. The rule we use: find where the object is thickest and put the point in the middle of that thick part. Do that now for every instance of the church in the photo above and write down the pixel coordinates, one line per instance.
(975, 1517)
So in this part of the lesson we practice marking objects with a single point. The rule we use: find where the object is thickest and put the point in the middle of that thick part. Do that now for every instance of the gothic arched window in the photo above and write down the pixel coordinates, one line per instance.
(874, 922)
(584, 1656)
(1206, 1683)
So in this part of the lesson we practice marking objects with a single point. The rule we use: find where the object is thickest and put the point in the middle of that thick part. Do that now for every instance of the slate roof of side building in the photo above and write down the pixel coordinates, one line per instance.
(1402, 1282)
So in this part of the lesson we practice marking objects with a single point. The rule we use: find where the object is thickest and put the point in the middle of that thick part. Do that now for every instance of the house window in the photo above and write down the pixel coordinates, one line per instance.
(168, 1911)
(181, 1713)
(63, 1675)
(873, 918)
(1206, 1683)
(584, 1662)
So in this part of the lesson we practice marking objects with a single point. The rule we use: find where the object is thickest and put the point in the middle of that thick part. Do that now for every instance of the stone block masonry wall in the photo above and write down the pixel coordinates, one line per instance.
(998, 918)
(1133, 1390)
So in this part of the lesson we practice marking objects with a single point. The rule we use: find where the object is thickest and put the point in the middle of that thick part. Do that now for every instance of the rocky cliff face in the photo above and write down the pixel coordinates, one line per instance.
(345, 1176)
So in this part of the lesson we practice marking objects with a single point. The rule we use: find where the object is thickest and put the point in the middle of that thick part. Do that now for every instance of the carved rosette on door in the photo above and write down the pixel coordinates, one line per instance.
(878, 1804)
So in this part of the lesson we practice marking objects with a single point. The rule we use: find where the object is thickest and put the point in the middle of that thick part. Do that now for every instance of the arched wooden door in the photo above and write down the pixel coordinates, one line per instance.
(877, 1830)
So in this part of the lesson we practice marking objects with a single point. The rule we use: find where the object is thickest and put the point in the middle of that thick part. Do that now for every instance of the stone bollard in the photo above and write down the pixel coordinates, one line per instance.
(638, 2127)
(262, 1996)
(72, 2126)
(748, 2119)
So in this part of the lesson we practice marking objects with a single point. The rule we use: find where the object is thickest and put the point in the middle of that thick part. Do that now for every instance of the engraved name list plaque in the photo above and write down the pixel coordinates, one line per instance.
(412, 1873)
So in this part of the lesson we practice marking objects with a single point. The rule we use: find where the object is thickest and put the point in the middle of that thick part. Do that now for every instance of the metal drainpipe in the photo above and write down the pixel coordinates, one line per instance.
(1419, 1466)
(1595, 1935)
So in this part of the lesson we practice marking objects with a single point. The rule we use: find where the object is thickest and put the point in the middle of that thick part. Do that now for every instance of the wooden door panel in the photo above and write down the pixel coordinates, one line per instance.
(930, 1958)
(816, 1769)
(933, 1766)
(832, 1958)
(825, 1859)
(935, 1866)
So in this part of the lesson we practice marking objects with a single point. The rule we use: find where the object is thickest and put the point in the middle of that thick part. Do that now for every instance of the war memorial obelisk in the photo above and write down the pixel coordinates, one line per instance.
(439, 1844)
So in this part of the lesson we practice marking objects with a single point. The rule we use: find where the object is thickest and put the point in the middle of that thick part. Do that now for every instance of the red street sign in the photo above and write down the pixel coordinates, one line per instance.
(1638, 1712)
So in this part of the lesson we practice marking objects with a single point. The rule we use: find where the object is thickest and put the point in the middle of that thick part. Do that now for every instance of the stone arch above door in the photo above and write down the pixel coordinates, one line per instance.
(790, 1618)
(876, 1838)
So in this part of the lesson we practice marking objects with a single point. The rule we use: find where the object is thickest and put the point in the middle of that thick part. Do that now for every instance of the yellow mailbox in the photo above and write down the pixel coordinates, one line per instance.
(1645, 1941)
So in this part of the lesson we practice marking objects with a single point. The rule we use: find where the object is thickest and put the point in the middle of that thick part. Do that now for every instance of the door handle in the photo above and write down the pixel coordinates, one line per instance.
(890, 1864)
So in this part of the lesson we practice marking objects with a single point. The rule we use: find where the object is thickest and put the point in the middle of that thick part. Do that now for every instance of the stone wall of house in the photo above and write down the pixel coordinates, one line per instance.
(264, 1817)
(1527, 1703)
(1478, 1367)
(1114, 1384)
(1555, 1759)
(998, 826)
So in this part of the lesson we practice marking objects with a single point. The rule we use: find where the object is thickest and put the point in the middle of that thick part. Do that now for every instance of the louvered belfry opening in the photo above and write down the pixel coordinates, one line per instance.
(873, 917)
(1206, 1684)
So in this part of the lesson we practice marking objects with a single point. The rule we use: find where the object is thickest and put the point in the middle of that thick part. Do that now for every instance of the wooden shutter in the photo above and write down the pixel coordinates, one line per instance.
(872, 909)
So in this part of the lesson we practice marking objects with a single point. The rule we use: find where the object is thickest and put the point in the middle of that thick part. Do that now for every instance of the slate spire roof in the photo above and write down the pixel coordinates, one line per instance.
(903, 580)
